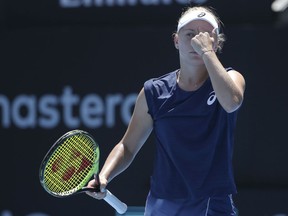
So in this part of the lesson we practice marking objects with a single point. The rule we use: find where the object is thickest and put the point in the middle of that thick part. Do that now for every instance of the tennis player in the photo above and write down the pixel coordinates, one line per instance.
(192, 111)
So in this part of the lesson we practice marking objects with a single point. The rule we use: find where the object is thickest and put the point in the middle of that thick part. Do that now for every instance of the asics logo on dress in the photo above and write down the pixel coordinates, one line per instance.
(212, 98)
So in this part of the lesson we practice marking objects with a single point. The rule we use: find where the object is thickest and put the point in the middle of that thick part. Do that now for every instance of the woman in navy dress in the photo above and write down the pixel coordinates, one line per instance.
(193, 112)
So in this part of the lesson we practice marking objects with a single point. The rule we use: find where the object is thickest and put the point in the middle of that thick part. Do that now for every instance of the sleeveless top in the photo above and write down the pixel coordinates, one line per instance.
(194, 140)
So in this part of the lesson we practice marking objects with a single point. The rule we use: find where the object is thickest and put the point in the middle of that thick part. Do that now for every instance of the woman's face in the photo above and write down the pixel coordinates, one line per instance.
(183, 38)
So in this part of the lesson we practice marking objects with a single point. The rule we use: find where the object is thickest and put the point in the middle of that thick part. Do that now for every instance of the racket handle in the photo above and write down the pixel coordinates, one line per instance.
(119, 206)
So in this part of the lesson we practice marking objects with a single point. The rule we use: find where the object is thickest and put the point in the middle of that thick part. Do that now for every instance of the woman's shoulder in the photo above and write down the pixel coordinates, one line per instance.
(167, 79)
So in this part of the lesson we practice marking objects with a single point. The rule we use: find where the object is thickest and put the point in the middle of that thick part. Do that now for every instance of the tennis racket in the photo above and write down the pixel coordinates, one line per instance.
(70, 164)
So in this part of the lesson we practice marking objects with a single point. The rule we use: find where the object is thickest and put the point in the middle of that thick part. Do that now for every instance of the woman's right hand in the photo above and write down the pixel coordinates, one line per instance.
(98, 182)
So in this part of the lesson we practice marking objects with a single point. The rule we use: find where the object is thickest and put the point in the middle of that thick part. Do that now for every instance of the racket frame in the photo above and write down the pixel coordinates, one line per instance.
(118, 205)
(80, 188)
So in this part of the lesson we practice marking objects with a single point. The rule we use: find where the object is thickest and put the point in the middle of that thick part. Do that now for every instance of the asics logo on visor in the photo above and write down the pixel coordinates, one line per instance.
(202, 14)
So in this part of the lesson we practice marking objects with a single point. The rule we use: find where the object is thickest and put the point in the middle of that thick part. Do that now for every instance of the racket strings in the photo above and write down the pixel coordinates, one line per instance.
(55, 179)
(68, 168)
(71, 164)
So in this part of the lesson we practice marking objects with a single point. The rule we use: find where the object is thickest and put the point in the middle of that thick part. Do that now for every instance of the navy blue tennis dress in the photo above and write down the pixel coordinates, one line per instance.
(193, 172)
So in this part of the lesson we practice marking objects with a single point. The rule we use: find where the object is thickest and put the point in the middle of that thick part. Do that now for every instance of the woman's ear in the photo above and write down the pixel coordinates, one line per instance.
(176, 41)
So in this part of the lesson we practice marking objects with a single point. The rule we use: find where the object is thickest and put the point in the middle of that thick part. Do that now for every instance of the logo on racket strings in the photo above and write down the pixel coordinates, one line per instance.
(76, 163)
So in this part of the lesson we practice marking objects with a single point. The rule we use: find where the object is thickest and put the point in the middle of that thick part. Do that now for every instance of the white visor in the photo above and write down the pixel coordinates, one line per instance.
(198, 15)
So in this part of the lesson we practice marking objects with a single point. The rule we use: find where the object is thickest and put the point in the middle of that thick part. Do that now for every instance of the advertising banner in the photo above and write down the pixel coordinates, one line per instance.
(126, 12)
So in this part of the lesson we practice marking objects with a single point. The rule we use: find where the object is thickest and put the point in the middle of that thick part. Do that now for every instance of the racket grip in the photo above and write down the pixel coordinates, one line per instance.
(112, 200)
